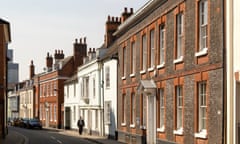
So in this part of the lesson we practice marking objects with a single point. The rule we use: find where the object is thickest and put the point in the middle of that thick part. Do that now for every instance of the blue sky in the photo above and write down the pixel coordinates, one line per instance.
(41, 26)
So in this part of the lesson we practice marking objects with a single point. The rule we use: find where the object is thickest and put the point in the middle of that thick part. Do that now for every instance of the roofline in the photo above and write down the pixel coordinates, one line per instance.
(2, 21)
(143, 12)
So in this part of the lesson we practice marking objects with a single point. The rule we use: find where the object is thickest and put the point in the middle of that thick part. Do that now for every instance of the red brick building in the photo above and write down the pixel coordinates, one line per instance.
(171, 73)
(50, 84)
(5, 38)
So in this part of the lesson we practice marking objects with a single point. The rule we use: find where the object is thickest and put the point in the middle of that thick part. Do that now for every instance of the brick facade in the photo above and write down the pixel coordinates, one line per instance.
(5, 38)
(187, 72)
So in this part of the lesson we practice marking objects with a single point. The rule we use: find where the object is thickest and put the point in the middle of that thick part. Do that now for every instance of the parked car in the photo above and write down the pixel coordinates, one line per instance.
(17, 121)
(34, 123)
(23, 122)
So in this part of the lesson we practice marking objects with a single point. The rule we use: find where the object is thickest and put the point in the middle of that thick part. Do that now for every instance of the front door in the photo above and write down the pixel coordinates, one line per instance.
(151, 120)
(47, 118)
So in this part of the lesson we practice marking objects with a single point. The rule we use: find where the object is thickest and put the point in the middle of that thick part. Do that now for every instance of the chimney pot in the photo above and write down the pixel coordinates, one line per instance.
(112, 19)
(76, 41)
(125, 9)
(80, 40)
(131, 10)
(84, 39)
(109, 18)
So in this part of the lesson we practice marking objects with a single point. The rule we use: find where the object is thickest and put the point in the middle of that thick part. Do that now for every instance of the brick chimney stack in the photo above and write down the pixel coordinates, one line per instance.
(126, 14)
(49, 61)
(111, 26)
(79, 51)
(32, 70)
(58, 55)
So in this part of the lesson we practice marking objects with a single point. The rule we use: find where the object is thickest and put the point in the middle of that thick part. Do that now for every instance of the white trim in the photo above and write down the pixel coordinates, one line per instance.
(161, 65)
(132, 75)
(162, 129)
(201, 134)
(123, 78)
(178, 132)
(180, 59)
(142, 71)
(151, 69)
(132, 125)
(204, 51)
(142, 127)
(123, 124)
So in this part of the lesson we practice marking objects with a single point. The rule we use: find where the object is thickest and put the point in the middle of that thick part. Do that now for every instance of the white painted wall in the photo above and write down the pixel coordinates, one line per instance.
(92, 112)
(233, 58)
(110, 94)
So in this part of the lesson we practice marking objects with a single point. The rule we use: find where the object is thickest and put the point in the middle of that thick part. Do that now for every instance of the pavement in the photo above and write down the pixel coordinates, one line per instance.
(92, 138)
(14, 137)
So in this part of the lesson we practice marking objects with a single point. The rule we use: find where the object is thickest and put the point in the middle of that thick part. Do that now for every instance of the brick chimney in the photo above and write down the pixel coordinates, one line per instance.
(126, 14)
(49, 61)
(58, 55)
(111, 26)
(32, 70)
(79, 51)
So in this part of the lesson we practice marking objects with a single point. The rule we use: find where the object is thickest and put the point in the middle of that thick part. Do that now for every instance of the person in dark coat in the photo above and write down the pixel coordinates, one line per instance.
(80, 125)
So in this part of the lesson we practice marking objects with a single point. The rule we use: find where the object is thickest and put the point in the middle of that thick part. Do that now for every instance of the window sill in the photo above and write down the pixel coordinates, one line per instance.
(123, 124)
(160, 66)
(178, 132)
(132, 75)
(150, 69)
(203, 52)
(180, 59)
(162, 129)
(132, 125)
(142, 71)
(142, 127)
(202, 134)
(123, 78)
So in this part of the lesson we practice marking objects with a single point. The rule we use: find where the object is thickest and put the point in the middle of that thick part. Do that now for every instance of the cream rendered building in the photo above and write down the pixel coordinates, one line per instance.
(233, 71)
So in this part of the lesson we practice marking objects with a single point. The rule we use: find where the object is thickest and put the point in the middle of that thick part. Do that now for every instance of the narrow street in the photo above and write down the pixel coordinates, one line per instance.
(36, 136)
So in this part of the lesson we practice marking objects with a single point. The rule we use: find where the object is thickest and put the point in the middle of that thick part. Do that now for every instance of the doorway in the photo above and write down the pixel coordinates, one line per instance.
(151, 119)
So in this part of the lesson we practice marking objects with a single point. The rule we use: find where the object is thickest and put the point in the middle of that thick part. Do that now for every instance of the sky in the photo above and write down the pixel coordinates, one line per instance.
(41, 26)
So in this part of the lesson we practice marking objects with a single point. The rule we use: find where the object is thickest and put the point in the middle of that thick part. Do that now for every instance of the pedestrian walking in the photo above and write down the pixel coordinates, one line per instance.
(80, 125)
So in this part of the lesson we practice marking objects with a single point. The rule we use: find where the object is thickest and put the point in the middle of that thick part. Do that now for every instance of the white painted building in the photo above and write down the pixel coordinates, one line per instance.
(109, 77)
(233, 71)
(71, 103)
(91, 100)
(26, 99)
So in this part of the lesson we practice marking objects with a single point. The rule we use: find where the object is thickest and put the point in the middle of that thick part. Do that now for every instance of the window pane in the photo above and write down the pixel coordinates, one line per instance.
(144, 50)
(152, 47)
(133, 57)
(162, 44)
(179, 34)
(124, 62)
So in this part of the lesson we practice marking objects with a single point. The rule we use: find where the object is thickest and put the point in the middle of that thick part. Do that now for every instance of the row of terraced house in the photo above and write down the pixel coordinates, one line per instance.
(167, 73)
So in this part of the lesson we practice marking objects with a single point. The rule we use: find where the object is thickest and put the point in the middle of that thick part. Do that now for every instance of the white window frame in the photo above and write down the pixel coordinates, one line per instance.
(124, 108)
(152, 48)
(133, 110)
(202, 110)
(55, 112)
(180, 35)
(133, 57)
(86, 87)
(179, 110)
(144, 52)
(94, 87)
(107, 76)
(108, 108)
(203, 24)
(124, 62)
(162, 44)
(161, 109)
